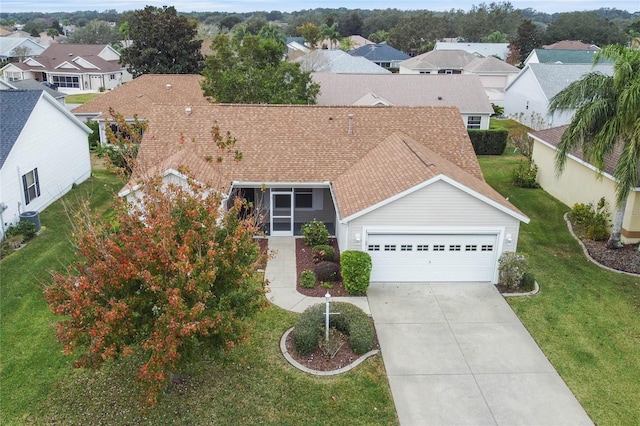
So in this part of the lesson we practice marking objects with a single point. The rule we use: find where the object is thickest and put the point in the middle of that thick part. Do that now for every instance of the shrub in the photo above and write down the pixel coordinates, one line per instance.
(511, 269)
(323, 252)
(351, 321)
(308, 279)
(356, 271)
(308, 329)
(497, 109)
(488, 142)
(594, 218)
(525, 176)
(528, 281)
(327, 271)
(25, 228)
(315, 233)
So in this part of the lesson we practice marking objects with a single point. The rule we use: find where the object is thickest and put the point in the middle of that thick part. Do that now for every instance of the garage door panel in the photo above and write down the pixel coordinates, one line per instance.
(432, 257)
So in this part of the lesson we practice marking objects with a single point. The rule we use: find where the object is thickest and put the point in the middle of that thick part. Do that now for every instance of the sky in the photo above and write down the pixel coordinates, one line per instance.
(547, 6)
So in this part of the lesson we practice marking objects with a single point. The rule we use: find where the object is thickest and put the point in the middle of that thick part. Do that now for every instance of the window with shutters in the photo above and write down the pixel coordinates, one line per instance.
(31, 186)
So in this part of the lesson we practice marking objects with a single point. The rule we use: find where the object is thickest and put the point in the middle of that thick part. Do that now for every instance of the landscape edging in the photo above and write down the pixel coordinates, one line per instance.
(586, 252)
(289, 358)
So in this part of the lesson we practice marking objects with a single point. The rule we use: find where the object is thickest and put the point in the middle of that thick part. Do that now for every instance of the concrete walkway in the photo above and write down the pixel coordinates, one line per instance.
(281, 274)
(455, 354)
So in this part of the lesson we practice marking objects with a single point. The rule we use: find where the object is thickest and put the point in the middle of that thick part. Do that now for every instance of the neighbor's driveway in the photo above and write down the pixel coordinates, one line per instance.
(456, 354)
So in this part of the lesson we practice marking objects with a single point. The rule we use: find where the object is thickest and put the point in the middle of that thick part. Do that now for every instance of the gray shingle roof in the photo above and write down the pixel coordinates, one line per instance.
(555, 77)
(379, 53)
(31, 84)
(339, 62)
(565, 56)
(15, 109)
(462, 91)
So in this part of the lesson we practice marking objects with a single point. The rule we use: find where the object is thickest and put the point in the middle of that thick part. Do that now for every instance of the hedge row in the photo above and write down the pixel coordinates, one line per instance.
(488, 142)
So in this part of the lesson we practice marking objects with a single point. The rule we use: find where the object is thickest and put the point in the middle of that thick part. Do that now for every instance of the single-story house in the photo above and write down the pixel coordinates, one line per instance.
(561, 56)
(33, 85)
(570, 45)
(465, 92)
(381, 54)
(581, 182)
(73, 68)
(527, 98)
(44, 151)
(18, 48)
(396, 182)
(337, 61)
(140, 96)
(494, 74)
(499, 50)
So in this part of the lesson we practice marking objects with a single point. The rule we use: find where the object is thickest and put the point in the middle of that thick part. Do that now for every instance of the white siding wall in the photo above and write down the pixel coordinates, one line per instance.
(526, 102)
(57, 147)
(438, 205)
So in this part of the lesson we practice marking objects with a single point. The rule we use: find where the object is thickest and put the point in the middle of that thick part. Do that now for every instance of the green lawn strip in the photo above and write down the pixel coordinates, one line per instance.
(31, 359)
(251, 384)
(81, 98)
(585, 319)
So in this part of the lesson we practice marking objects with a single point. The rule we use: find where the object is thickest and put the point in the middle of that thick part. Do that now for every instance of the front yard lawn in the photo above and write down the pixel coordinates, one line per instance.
(585, 319)
(251, 384)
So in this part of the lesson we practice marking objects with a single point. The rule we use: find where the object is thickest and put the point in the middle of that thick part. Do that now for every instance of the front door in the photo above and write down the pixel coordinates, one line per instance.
(281, 212)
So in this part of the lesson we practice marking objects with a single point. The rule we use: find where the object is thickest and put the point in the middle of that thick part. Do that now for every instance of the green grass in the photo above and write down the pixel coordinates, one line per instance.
(506, 124)
(585, 319)
(81, 98)
(250, 384)
(32, 361)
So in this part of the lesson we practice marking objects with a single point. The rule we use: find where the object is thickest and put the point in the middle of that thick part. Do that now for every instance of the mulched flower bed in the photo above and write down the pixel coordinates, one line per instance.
(304, 261)
(317, 360)
(625, 259)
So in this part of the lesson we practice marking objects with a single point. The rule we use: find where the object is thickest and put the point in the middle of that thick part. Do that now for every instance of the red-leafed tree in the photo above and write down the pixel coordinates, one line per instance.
(165, 278)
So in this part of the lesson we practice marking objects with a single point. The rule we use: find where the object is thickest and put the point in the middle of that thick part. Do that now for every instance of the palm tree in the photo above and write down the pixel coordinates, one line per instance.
(271, 31)
(607, 116)
(330, 32)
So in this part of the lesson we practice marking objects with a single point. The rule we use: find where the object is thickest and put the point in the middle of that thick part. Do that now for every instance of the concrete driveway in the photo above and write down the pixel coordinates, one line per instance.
(456, 354)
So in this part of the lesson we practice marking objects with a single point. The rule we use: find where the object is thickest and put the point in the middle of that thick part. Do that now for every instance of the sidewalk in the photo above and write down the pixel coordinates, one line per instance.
(281, 275)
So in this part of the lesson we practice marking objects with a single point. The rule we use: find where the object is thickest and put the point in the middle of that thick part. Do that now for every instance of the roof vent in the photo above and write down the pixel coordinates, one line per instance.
(439, 98)
(187, 110)
(168, 86)
(350, 131)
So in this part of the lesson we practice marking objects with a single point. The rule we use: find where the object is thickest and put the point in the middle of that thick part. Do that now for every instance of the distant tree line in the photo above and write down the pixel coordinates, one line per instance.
(413, 32)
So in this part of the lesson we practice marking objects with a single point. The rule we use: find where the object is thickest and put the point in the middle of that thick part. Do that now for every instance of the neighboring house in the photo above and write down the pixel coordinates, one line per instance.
(141, 95)
(73, 68)
(464, 92)
(570, 45)
(556, 56)
(528, 96)
(355, 40)
(381, 54)
(44, 151)
(337, 61)
(494, 74)
(18, 48)
(397, 183)
(499, 50)
(581, 182)
(33, 85)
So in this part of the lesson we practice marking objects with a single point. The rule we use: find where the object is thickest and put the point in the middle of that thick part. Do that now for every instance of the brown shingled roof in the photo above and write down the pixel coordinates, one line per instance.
(140, 95)
(375, 154)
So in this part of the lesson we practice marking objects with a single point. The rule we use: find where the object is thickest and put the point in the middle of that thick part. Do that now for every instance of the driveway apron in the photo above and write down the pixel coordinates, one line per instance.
(456, 354)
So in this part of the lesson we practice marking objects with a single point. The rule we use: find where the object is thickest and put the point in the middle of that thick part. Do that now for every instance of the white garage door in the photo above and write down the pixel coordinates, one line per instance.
(432, 257)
